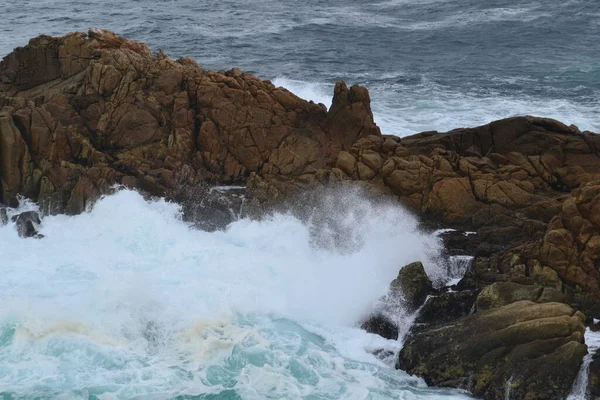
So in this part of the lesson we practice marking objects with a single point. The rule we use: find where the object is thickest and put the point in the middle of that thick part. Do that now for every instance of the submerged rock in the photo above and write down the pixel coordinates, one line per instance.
(516, 347)
(26, 224)
(212, 208)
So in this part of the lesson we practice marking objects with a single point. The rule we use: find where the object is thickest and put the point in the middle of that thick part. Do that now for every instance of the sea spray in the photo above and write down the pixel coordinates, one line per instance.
(128, 300)
(457, 266)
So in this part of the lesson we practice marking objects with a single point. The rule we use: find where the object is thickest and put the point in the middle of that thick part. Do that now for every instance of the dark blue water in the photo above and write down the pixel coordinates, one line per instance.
(430, 64)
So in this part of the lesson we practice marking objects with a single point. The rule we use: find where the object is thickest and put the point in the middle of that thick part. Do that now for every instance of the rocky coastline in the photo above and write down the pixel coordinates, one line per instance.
(87, 111)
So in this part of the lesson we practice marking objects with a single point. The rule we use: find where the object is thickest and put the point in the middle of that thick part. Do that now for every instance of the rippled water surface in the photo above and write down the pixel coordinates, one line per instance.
(430, 64)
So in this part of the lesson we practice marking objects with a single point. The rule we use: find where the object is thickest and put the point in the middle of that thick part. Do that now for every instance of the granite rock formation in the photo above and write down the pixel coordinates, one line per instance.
(85, 111)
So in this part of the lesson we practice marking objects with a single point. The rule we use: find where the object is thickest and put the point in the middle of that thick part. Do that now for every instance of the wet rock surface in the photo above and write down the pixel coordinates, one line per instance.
(380, 325)
(516, 348)
(26, 224)
(412, 285)
(213, 208)
(405, 295)
(445, 307)
(3, 216)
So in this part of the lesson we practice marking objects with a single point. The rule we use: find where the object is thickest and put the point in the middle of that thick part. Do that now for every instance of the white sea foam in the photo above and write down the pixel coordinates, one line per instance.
(315, 91)
(404, 110)
(482, 16)
(128, 301)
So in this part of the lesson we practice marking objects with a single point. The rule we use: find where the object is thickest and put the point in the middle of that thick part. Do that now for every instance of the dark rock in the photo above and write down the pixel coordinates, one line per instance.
(406, 294)
(212, 208)
(458, 242)
(380, 325)
(514, 348)
(27, 215)
(483, 271)
(26, 224)
(383, 354)
(445, 307)
(3, 216)
(594, 377)
(412, 285)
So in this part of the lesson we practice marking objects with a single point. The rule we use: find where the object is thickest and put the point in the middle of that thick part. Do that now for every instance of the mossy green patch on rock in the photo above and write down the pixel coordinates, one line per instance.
(521, 343)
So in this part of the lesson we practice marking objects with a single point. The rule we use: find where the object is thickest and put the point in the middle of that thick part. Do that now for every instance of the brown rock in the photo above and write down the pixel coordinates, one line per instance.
(347, 163)
(112, 111)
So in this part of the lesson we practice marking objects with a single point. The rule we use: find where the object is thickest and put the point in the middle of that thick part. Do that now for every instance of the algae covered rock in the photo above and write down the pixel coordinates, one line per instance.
(532, 350)
(413, 285)
(405, 295)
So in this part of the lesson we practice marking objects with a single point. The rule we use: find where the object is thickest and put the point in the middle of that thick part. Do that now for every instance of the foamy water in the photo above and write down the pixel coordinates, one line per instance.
(127, 301)
(400, 109)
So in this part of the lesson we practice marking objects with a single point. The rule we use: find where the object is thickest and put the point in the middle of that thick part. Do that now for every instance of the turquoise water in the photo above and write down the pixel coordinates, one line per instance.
(126, 301)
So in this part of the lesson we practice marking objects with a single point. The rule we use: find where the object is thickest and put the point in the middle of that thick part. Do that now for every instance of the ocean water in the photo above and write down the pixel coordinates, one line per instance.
(126, 301)
(430, 64)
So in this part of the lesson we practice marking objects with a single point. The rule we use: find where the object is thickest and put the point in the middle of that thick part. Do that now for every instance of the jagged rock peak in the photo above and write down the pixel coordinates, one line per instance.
(81, 112)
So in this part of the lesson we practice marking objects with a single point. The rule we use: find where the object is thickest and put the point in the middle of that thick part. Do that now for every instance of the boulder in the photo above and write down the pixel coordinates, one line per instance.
(412, 285)
(405, 295)
(506, 352)
(380, 325)
(26, 224)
